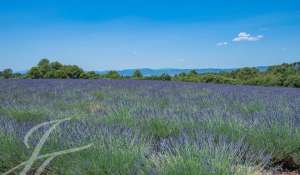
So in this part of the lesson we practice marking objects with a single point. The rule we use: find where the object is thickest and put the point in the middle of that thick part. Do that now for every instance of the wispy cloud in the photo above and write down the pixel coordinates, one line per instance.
(220, 44)
(243, 36)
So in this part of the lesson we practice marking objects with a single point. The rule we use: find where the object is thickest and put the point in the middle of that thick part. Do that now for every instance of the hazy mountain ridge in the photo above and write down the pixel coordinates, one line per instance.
(173, 71)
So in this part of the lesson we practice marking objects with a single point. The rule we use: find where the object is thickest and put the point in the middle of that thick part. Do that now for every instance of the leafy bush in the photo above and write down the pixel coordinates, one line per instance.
(292, 81)
(56, 74)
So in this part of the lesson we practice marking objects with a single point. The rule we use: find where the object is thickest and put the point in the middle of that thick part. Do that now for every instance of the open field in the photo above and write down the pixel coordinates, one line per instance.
(152, 127)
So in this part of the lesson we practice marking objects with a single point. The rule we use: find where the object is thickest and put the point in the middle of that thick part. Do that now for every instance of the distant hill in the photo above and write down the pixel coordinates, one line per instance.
(173, 71)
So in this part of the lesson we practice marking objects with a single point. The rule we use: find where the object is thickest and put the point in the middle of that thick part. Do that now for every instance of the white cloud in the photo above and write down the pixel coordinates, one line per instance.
(243, 36)
(222, 44)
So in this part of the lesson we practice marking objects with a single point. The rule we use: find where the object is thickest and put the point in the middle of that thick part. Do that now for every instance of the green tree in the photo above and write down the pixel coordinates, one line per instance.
(72, 71)
(56, 74)
(7, 73)
(165, 77)
(83, 75)
(137, 74)
(89, 75)
(113, 75)
(92, 74)
(193, 73)
(245, 73)
(283, 69)
(216, 78)
(56, 65)
(292, 81)
(43, 62)
(44, 66)
(17, 75)
(180, 77)
(35, 73)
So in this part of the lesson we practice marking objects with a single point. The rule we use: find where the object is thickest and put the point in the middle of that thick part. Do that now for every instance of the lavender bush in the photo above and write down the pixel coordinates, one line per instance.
(153, 127)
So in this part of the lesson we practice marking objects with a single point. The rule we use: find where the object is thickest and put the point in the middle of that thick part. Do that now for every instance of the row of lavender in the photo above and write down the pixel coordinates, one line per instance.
(153, 127)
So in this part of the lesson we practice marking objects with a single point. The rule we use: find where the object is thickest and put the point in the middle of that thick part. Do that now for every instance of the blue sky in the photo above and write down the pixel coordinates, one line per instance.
(101, 35)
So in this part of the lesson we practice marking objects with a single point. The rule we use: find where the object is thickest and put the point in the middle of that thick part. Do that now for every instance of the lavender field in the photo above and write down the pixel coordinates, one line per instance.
(152, 127)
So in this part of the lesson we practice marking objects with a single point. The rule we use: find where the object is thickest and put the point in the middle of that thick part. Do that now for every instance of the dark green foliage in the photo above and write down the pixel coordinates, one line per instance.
(83, 75)
(7, 73)
(287, 75)
(165, 77)
(55, 65)
(45, 69)
(213, 78)
(56, 74)
(72, 71)
(193, 72)
(44, 66)
(245, 73)
(137, 74)
(92, 75)
(278, 75)
(17, 75)
(292, 81)
(113, 75)
(35, 73)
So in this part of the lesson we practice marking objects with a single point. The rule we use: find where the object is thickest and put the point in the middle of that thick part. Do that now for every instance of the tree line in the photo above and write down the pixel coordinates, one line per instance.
(287, 75)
